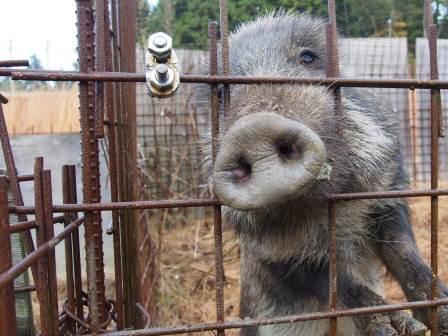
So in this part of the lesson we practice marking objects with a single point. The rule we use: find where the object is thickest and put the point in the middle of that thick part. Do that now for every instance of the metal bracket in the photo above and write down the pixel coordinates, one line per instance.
(162, 68)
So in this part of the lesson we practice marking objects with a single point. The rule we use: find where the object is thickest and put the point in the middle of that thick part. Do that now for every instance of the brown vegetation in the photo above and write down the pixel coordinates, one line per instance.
(41, 112)
(187, 286)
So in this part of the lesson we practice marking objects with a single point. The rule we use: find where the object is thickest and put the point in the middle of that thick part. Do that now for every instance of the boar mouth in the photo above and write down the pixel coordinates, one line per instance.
(265, 160)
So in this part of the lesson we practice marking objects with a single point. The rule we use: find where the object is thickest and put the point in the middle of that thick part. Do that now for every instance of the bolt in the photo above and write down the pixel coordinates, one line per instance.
(162, 72)
(159, 45)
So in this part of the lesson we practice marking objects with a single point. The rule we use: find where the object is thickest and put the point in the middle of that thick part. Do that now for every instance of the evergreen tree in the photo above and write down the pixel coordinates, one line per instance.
(187, 20)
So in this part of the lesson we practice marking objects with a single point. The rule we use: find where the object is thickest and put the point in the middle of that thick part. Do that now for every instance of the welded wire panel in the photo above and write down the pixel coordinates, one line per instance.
(423, 149)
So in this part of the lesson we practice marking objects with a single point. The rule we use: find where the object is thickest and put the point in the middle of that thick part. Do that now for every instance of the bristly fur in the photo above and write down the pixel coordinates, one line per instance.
(285, 248)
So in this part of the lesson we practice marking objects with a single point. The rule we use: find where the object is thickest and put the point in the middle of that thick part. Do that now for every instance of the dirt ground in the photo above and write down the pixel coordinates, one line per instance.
(187, 281)
(187, 286)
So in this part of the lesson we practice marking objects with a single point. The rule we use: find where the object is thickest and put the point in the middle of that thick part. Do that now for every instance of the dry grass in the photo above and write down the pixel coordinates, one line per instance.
(187, 288)
(187, 282)
(43, 112)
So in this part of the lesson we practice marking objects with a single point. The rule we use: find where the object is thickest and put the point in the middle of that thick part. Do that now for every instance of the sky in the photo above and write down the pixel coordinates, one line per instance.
(46, 28)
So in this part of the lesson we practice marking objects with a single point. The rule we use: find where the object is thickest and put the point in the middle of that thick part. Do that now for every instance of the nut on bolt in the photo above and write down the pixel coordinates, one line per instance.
(160, 45)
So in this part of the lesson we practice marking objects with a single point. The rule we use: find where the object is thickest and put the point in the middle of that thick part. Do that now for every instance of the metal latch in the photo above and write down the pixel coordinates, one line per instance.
(162, 68)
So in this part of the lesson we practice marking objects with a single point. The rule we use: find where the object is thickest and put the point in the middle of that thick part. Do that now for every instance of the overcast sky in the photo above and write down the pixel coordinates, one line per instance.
(46, 28)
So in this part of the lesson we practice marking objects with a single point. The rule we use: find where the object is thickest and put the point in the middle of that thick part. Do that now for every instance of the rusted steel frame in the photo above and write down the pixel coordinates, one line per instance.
(333, 72)
(42, 263)
(90, 167)
(38, 254)
(25, 289)
(436, 130)
(7, 302)
(206, 79)
(387, 194)
(14, 63)
(203, 327)
(75, 244)
(191, 203)
(224, 36)
(68, 249)
(25, 178)
(112, 148)
(100, 32)
(29, 225)
(52, 285)
(126, 14)
(217, 222)
(14, 185)
(119, 106)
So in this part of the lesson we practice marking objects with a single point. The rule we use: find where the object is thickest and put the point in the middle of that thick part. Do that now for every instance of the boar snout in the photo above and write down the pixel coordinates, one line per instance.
(266, 159)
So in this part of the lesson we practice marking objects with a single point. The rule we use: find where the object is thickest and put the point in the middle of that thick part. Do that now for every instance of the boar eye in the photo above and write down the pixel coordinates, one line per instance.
(307, 57)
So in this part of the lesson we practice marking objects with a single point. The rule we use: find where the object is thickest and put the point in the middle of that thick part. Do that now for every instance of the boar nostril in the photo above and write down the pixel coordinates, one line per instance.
(242, 173)
(289, 151)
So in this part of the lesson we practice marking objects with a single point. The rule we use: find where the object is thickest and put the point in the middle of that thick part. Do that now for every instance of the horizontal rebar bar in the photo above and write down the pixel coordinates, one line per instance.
(28, 225)
(42, 250)
(141, 77)
(25, 289)
(14, 63)
(201, 327)
(189, 203)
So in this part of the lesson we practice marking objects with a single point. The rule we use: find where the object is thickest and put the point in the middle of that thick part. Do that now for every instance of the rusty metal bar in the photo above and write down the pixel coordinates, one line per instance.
(29, 225)
(113, 171)
(14, 63)
(436, 131)
(16, 191)
(40, 252)
(42, 263)
(224, 34)
(214, 104)
(333, 72)
(126, 14)
(76, 248)
(90, 168)
(26, 289)
(68, 249)
(52, 285)
(206, 79)
(7, 302)
(100, 33)
(203, 327)
(190, 203)
(332, 260)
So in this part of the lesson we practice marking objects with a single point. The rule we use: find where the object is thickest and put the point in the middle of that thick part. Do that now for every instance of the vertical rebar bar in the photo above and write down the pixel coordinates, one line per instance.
(100, 33)
(219, 268)
(224, 35)
(127, 12)
(7, 302)
(44, 304)
(16, 191)
(431, 32)
(90, 167)
(112, 142)
(47, 203)
(333, 72)
(68, 249)
(73, 198)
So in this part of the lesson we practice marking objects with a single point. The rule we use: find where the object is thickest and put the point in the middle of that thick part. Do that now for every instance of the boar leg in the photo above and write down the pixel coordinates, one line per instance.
(401, 256)
(354, 295)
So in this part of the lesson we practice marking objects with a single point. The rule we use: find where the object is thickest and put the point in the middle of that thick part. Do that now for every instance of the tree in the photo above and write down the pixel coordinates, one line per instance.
(355, 18)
